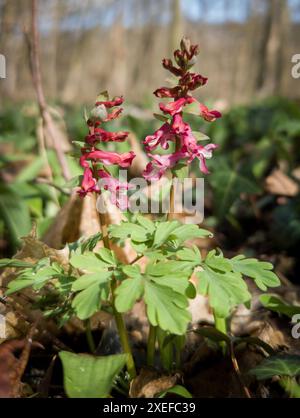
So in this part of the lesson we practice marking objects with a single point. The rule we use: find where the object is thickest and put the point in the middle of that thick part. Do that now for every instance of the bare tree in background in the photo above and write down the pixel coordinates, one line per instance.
(176, 25)
(271, 52)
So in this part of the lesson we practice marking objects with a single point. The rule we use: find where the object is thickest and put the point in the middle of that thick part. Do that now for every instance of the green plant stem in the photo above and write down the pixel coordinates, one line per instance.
(151, 345)
(118, 317)
(177, 358)
(220, 325)
(123, 334)
(89, 336)
(172, 191)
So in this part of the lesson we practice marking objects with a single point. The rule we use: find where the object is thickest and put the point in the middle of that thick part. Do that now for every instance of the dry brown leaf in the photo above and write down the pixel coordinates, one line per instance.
(149, 383)
(279, 183)
(11, 367)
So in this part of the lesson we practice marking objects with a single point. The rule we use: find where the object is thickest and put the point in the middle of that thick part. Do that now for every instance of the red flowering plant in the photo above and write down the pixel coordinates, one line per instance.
(175, 129)
(165, 272)
(95, 160)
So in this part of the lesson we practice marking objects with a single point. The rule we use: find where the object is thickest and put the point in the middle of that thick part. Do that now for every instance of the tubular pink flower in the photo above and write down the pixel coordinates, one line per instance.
(108, 158)
(101, 135)
(89, 184)
(175, 107)
(167, 92)
(209, 115)
(160, 137)
(116, 101)
(160, 164)
(117, 189)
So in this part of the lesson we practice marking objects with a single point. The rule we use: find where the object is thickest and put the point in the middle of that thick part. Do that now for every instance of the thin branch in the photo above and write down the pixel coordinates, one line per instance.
(237, 371)
(37, 82)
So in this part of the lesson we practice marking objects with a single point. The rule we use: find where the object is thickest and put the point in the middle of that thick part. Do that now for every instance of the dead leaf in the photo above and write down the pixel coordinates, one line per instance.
(279, 183)
(149, 383)
(11, 367)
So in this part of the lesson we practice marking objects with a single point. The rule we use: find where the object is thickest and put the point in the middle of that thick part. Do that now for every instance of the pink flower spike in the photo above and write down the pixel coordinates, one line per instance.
(160, 137)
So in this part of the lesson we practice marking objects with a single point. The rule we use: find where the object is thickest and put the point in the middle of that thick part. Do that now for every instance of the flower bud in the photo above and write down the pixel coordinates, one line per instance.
(185, 44)
(99, 112)
(192, 62)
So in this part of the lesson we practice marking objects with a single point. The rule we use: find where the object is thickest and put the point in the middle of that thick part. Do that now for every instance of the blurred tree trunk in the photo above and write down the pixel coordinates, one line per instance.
(118, 73)
(12, 14)
(271, 51)
(176, 25)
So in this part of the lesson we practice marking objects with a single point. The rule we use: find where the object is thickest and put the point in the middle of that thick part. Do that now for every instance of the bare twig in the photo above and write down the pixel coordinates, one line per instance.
(41, 180)
(238, 372)
(37, 82)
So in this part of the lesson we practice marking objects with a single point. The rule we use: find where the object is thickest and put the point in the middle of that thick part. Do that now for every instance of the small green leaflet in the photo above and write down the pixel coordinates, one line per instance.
(129, 291)
(186, 232)
(128, 229)
(11, 262)
(192, 255)
(177, 390)
(93, 289)
(161, 117)
(93, 262)
(192, 108)
(88, 376)
(29, 277)
(200, 136)
(103, 96)
(276, 304)
(73, 182)
(279, 365)
(260, 271)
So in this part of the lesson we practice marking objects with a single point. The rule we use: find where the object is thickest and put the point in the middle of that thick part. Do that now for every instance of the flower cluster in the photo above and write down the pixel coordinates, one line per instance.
(96, 177)
(175, 129)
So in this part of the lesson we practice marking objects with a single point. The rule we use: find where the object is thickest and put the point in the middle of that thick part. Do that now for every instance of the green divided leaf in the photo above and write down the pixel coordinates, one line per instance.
(280, 365)
(275, 304)
(93, 289)
(88, 376)
(225, 290)
(260, 271)
(166, 308)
